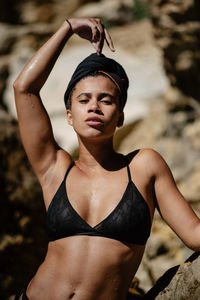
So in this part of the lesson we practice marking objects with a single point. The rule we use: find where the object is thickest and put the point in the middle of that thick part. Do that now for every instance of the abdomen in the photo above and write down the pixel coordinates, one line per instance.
(85, 268)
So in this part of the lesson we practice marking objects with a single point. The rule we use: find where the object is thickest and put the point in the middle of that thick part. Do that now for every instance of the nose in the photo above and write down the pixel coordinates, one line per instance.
(94, 107)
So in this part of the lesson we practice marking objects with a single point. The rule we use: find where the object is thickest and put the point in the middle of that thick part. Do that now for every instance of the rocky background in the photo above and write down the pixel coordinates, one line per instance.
(161, 41)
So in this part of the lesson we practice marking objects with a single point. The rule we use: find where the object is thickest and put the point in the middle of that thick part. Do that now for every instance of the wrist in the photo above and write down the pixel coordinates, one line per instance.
(70, 25)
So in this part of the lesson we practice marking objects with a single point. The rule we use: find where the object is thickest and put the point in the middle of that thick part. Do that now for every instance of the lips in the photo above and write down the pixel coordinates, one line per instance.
(94, 121)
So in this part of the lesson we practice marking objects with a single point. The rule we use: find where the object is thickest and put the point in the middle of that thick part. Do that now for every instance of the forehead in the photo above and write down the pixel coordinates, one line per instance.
(95, 84)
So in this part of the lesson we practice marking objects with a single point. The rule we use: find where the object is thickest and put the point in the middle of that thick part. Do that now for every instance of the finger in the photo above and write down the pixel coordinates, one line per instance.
(94, 33)
(98, 35)
(109, 40)
(97, 40)
(94, 39)
(96, 47)
(101, 38)
(100, 46)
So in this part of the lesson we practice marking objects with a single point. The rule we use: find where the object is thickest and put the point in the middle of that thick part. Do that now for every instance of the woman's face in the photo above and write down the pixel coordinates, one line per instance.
(95, 109)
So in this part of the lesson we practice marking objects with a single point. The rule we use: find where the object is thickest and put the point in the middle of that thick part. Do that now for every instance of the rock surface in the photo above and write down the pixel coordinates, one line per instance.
(113, 11)
(23, 240)
(185, 284)
(179, 282)
(177, 28)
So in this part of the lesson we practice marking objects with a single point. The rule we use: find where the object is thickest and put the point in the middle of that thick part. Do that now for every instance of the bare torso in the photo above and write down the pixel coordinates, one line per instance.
(86, 268)
(90, 267)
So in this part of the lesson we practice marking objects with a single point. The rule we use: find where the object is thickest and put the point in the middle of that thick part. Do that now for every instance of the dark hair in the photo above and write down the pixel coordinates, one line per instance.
(92, 74)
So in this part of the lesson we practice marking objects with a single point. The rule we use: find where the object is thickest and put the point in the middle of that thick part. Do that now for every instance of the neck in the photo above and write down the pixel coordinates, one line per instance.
(94, 154)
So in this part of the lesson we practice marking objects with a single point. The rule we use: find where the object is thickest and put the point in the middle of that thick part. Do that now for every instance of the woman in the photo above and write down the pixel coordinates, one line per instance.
(100, 207)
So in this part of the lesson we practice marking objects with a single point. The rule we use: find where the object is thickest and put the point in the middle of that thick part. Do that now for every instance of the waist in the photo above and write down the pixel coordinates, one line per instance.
(85, 266)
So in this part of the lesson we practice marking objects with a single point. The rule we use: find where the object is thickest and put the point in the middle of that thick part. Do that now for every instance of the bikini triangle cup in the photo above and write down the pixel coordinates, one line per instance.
(128, 222)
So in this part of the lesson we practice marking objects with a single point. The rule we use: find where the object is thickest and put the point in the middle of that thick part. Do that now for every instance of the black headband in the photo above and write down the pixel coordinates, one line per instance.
(104, 65)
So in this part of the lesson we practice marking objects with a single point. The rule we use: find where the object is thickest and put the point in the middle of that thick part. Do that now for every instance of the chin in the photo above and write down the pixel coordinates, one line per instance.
(93, 133)
(92, 136)
(95, 136)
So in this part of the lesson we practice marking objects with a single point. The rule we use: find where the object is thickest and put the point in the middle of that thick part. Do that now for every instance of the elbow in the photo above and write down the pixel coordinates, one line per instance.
(19, 86)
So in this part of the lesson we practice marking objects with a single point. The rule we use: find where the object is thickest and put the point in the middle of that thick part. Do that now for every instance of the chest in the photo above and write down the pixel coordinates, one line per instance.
(96, 197)
(106, 207)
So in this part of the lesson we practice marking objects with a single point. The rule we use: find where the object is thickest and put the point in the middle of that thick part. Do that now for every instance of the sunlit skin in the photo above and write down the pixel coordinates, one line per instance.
(95, 109)
(91, 267)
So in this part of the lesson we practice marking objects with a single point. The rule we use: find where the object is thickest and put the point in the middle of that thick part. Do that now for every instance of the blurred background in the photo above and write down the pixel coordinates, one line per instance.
(158, 43)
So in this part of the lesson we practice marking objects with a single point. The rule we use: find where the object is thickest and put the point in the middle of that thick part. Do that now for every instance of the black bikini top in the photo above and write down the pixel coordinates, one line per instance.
(129, 221)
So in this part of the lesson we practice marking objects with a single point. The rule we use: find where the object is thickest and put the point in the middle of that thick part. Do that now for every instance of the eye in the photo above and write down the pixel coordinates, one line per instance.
(106, 101)
(83, 101)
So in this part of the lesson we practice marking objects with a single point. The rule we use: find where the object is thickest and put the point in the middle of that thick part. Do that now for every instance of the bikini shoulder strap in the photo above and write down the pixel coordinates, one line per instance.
(129, 173)
(128, 169)
(127, 162)
(67, 172)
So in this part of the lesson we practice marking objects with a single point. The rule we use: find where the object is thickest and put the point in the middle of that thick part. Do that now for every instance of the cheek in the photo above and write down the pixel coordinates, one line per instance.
(77, 115)
(114, 117)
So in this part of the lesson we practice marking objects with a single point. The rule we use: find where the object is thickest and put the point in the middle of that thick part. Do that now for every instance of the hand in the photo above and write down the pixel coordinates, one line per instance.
(92, 30)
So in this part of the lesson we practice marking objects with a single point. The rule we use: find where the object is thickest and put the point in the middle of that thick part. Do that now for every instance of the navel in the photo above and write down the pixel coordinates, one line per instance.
(71, 295)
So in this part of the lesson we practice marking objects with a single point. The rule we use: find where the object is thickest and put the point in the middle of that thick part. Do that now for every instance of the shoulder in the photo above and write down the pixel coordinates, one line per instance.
(145, 155)
(148, 159)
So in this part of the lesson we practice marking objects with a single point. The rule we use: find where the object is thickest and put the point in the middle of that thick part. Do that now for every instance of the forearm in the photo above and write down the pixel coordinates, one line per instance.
(35, 73)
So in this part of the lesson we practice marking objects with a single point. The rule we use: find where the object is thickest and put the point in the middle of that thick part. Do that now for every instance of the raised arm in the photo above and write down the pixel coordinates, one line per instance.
(34, 123)
(172, 206)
